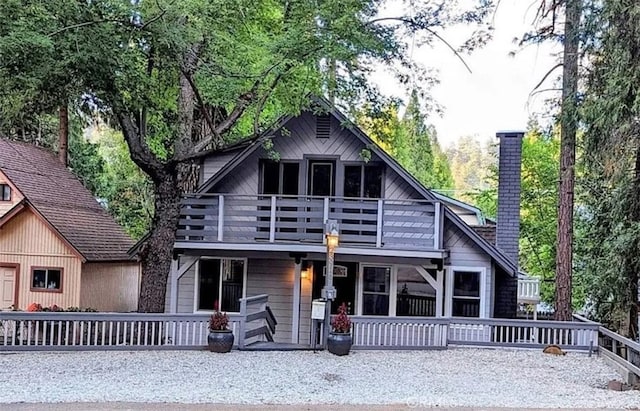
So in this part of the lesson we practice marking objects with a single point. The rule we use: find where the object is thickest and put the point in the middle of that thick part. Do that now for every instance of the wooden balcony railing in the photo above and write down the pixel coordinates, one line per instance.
(363, 222)
(529, 290)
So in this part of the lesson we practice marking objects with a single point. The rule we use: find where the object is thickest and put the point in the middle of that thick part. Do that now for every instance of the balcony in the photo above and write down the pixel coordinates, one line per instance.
(528, 290)
(408, 228)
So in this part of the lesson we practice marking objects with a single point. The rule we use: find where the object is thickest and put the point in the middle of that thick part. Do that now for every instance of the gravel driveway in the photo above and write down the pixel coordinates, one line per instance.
(452, 378)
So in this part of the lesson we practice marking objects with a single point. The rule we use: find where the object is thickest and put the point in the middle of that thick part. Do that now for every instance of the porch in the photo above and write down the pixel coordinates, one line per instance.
(367, 226)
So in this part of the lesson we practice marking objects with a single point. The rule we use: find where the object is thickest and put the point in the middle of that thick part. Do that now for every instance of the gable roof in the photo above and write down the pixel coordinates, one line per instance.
(58, 197)
(502, 260)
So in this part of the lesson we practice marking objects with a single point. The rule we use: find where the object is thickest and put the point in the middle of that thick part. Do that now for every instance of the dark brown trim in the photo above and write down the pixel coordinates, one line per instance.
(16, 284)
(46, 290)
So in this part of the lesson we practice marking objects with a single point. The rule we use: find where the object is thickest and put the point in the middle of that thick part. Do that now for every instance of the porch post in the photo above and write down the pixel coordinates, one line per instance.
(173, 299)
(295, 324)
(440, 293)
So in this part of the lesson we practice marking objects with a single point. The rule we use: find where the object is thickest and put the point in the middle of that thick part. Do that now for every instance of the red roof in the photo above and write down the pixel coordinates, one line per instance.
(55, 193)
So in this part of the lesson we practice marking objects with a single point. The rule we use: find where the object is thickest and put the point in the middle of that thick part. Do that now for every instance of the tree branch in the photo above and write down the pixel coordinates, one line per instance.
(551, 70)
(140, 152)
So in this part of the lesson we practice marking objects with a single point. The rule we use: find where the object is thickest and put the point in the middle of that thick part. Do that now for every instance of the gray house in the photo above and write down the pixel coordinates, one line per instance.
(256, 226)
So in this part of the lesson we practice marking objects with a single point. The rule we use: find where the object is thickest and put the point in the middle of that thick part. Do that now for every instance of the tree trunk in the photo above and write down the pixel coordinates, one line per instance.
(158, 249)
(63, 134)
(568, 121)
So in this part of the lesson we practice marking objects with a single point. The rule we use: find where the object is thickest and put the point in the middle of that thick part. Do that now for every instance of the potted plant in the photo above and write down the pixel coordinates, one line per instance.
(220, 337)
(339, 341)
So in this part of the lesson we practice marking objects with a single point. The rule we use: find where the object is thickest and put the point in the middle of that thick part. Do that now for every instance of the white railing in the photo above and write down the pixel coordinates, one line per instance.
(380, 223)
(529, 290)
(398, 332)
(20, 331)
(523, 333)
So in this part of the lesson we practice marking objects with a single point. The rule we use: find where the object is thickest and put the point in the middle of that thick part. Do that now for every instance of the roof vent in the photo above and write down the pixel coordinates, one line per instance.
(323, 126)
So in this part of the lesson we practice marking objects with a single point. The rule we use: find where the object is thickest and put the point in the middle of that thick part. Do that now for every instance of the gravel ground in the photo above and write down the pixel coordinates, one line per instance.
(452, 378)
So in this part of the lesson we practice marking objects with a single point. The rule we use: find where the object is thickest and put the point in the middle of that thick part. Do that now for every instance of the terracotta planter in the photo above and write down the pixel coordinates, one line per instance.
(339, 343)
(220, 341)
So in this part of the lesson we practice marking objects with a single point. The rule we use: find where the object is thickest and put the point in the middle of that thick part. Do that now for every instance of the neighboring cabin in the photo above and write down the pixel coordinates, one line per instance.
(256, 226)
(57, 244)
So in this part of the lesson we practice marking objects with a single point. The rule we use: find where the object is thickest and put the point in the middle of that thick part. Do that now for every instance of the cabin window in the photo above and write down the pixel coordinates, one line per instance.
(376, 284)
(363, 181)
(46, 279)
(279, 177)
(466, 297)
(5, 192)
(221, 284)
(415, 296)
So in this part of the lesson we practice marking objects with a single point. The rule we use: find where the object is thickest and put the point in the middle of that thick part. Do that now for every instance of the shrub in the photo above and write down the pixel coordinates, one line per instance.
(219, 321)
(341, 322)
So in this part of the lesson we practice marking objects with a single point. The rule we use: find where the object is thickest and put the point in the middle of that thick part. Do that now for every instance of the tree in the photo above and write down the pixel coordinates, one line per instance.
(568, 128)
(471, 162)
(183, 78)
(410, 140)
(609, 218)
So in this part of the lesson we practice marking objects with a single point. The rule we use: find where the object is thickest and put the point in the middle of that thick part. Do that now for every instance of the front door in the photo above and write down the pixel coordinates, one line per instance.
(7, 287)
(344, 280)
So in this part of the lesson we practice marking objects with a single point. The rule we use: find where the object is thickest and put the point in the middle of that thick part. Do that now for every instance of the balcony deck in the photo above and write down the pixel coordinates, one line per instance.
(404, 228)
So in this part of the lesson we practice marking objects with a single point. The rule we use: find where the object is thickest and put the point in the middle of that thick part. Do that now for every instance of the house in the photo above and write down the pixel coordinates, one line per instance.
(257, 226)
(57, 244)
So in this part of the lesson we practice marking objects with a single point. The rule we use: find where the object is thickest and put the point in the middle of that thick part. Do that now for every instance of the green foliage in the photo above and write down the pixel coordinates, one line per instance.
(472, 164)
(608, 221)
(410, 140)
(125, 189)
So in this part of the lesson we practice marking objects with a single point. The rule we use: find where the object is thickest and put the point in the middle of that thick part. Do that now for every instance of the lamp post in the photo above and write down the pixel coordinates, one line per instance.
(329, 291)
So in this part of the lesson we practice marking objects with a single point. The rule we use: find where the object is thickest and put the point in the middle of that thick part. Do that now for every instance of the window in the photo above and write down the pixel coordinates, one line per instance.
(5, 192)
(279, 177)
(416, 297)
(220, 284)
(46, 279)
(363, 181)
(376, 283)
(465, 300)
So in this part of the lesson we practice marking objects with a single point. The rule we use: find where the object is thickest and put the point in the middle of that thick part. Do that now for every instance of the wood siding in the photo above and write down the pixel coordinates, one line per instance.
(463, 252)
(213, 164)
(275, 278)
(16, 196)
(110, 286)
(28, 241)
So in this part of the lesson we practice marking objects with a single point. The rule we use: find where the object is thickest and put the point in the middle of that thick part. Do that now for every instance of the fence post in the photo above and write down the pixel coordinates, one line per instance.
(243, 320)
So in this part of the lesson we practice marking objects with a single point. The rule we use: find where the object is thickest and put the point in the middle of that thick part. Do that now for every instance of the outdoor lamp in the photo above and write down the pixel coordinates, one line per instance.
(332, 236)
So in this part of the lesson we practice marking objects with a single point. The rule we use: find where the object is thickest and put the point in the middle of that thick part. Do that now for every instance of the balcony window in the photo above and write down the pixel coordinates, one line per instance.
(221, 284)
(279, 177)
(363, 181)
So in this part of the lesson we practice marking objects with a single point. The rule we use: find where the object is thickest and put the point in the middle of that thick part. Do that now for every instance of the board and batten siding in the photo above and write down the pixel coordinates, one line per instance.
(463, 252)
(111, 287)
(29, 242)
(16, 196)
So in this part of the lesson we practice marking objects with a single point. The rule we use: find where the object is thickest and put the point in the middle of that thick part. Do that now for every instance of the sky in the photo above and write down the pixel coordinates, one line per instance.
(495, 96)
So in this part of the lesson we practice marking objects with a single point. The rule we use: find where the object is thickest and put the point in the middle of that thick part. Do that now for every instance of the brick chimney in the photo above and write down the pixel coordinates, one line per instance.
(509, 165)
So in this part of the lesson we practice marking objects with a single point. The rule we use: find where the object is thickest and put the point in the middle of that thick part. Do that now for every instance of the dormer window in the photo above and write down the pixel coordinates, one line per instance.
(5, 192)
